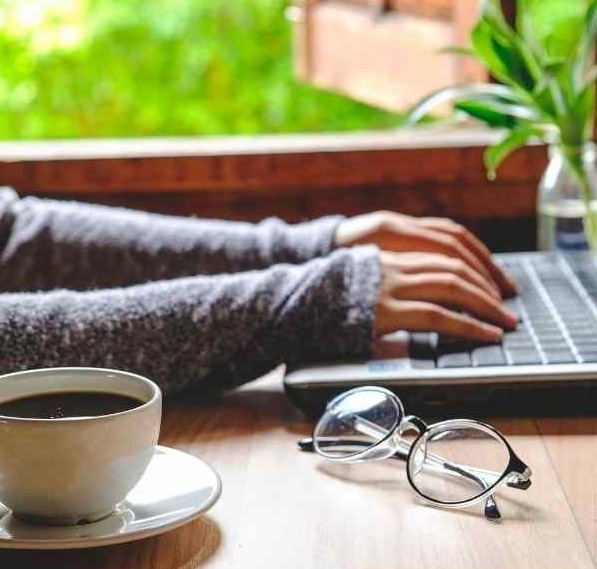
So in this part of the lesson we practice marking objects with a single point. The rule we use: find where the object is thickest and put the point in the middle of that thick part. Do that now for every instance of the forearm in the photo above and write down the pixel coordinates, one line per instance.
(204, 331)
(51, 244)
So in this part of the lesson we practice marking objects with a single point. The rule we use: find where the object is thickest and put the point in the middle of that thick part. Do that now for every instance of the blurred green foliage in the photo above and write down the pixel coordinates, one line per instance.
(88, 68)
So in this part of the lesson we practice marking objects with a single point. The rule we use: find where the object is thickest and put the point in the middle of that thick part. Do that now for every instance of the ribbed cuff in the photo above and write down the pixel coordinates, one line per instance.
(362, 300)
(8, 199)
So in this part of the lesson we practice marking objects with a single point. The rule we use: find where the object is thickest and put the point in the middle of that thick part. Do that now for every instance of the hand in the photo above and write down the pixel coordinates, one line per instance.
(425, 292)
(396, 232)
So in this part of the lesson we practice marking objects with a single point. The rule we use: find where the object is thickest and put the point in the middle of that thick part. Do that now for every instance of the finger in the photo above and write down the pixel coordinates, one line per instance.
(505, 282)
(416, 316)
(417, 263)
(417, 238)
(451, 290)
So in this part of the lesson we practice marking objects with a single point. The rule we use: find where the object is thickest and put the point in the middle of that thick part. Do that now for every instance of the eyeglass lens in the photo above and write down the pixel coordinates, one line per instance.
(356, 422)
(455, 462)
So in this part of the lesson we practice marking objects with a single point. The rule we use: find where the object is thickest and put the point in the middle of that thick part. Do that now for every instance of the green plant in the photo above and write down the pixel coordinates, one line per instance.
(119, 68)
(547, 88)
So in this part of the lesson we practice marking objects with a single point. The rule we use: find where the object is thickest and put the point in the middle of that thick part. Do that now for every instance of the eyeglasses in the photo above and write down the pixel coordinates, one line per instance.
(454, 463)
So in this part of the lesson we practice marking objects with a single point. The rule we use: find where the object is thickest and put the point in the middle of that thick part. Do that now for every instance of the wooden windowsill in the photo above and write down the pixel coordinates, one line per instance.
(259, 163)
(401, 138)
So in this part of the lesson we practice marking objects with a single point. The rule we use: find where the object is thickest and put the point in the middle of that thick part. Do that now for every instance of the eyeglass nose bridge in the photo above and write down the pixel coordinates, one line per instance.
(409, 423)
(391, 443)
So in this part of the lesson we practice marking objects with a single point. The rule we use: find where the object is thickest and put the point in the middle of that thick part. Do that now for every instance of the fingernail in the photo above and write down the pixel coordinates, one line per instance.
(495, 332)
(513, 316)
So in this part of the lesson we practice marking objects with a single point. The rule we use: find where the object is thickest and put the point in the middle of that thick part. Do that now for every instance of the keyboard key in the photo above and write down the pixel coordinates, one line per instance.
(512, 304)
(580, 321)
(519, 357)
(560, 357)
(420, 363)
(554, 345)
(551, 336)
(517, 337)
(545, 329)
(520, 347)
(589, 358)
(425, 338)
(488, 356)
(586, 346)
(528, 345)
(458, 359)
(589, 332)
(448, 344)
(422, 345)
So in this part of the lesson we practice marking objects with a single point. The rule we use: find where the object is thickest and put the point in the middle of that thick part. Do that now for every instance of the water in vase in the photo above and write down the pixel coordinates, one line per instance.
(562, 225)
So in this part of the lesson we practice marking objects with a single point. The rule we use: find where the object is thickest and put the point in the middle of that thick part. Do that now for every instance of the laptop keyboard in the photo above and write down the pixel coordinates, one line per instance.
(558, 320)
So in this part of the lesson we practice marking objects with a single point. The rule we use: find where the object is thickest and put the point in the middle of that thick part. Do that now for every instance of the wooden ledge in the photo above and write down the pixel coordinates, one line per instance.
(261, 164)
(101, 148)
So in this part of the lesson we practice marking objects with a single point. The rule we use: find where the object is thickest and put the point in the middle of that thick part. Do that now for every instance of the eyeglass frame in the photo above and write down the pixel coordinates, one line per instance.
(516, 470)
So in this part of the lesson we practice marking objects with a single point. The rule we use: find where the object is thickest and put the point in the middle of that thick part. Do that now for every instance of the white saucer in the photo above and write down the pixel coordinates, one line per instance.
(176, 488)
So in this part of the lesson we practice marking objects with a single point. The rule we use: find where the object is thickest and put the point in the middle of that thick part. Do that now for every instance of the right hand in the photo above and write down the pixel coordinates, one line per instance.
(436, 293)
(400, 233)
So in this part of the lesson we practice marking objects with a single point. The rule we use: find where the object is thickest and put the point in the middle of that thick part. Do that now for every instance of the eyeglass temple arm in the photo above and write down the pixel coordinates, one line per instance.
(306, 444)
(492, 511)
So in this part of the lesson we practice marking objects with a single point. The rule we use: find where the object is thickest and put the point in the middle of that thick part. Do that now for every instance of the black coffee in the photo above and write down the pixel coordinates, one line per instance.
(67, 404)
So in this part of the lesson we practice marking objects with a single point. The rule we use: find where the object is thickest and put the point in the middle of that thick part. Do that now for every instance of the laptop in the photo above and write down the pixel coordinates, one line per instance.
(547, 365)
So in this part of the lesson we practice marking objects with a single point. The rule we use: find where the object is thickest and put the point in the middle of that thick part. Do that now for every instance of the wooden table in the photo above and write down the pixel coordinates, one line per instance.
(281, 508)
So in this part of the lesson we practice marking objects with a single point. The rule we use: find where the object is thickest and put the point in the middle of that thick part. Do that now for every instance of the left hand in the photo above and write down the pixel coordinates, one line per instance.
(392, 231)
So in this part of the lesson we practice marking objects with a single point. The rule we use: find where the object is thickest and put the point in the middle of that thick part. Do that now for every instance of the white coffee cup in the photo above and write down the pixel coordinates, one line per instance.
(76, 469)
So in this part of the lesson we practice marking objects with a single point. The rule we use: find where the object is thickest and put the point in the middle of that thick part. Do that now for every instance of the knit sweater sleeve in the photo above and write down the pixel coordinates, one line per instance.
(50, 244)
(204, 332)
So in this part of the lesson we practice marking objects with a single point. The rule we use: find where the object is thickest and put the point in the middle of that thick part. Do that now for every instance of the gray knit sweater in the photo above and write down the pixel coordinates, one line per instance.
(190, 303)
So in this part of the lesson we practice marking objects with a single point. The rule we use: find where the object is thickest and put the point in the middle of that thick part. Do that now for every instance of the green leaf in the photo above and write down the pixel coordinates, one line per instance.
(515, 139)
(554, 27)
(503, 56)
(585, 107)
(495, 112)
(543, 98)
(554, 66)
(575, 125)
(447, 94)
(586, 44)
(491, 11)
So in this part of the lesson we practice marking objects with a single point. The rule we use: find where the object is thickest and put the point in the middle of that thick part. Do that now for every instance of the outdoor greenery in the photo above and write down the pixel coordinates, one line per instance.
(87, 68)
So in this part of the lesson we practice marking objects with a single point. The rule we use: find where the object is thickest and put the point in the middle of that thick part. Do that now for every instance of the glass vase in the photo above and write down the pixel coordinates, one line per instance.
(567, 199)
